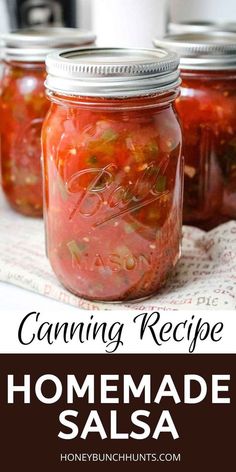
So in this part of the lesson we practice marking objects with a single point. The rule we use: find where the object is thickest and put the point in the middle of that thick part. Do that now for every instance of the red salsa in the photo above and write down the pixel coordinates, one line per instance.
(24, 106)
(113, 193)
(207, 108)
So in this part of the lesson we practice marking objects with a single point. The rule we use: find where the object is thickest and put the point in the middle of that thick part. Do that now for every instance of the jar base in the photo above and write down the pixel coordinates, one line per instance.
(208, 225)
(115, 300)
(26, 211)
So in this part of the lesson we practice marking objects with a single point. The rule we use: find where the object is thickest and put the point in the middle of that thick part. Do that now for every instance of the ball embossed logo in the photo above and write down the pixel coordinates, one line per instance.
(104, 193)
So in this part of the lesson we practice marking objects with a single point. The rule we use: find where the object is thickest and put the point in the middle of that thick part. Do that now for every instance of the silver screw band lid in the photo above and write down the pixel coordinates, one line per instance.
(206, 51)
(112, 72)
(33, 44)
(200, 27)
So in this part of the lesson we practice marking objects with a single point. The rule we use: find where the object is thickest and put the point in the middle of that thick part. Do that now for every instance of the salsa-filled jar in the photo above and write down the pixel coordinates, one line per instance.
(207, 108)
(113, 171)
(23, 108)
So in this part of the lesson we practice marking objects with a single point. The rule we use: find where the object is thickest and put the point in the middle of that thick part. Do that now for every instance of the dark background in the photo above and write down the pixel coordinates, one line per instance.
(29, 439)
(25, 13)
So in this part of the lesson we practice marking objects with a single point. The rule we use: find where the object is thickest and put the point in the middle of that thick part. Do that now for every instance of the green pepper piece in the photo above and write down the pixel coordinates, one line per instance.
(131, 227)
(76, 250)
(109, 135)
(92, 160)
(62, 188)
(228, 160)
(153, 148)
(161, 183)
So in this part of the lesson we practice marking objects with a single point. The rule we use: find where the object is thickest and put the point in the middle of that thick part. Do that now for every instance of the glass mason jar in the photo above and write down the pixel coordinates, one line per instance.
(207, 108)
(113, 171)
(23, 109)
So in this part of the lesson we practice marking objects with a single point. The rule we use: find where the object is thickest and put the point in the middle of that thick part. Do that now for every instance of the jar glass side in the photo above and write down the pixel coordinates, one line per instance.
(23, 108)
(207, 109)
(113, 194)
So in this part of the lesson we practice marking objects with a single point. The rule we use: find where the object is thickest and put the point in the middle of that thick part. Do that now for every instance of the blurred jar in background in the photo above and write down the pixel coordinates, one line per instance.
(202, 10)
(23, 109)
(207, 108)
(128, 23)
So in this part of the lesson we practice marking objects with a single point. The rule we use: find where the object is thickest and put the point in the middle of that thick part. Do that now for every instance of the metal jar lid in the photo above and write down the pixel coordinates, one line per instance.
(202, 51)
(33, 44)
(200, 27)
(112, 72)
